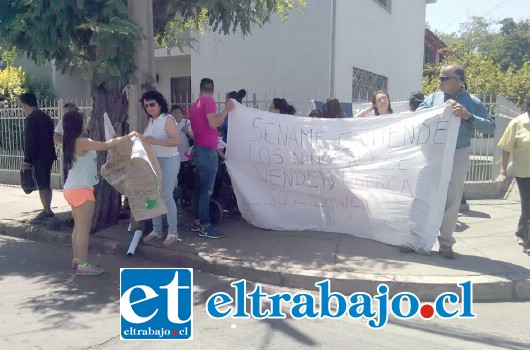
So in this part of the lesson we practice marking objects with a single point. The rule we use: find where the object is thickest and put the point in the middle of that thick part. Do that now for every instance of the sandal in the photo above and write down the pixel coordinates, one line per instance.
(171, 239)
(152, 236)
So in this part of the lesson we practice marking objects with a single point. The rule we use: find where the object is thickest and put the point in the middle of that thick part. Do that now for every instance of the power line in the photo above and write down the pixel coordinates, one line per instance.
(454, 18)
(498, 7)
(451, 15)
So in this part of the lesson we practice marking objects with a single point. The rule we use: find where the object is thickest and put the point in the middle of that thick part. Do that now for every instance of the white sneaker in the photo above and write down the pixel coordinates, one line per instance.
(88, 270)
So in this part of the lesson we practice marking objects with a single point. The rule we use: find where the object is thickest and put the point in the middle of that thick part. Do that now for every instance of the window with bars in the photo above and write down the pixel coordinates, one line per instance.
(387, 4)
(364, 83)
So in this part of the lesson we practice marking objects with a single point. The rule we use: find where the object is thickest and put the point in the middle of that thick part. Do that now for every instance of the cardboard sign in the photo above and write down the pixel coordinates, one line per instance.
(133, 170)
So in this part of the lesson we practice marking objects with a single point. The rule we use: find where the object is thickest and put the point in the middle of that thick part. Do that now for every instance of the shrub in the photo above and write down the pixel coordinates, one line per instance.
(12, 81)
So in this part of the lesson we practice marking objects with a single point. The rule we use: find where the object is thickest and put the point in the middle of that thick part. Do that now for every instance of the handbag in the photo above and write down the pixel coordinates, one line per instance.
(28, 182)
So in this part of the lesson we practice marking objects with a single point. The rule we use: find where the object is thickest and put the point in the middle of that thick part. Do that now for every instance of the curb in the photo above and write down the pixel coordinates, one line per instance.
(513, 287)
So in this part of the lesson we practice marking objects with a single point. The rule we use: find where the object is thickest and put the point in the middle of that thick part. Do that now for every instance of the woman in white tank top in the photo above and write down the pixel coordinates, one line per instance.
(163, 135)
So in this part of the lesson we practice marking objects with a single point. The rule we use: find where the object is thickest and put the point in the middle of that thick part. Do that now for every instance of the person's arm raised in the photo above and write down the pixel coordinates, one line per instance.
(86, 144)
(215, 120)
(364, 112)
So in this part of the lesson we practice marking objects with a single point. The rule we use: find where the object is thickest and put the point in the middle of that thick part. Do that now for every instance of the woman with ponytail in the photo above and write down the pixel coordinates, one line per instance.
(80, 159)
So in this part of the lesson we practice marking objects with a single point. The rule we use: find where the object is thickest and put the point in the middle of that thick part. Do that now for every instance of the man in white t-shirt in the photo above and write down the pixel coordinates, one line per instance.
(184, 128)
(183, 125)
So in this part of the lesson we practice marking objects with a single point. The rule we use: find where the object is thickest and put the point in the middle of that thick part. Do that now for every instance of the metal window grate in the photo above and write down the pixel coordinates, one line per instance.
(364, 83)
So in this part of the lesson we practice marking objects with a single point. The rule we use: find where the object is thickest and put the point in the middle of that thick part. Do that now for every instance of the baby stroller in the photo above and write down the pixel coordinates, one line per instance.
(223, 194)
(223, 200)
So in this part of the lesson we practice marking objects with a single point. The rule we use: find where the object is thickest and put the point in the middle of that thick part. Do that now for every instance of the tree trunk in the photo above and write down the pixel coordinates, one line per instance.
(106, 98)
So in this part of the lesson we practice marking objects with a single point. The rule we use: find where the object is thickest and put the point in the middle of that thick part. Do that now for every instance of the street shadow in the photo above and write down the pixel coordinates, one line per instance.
(54, 295)
(60, 292)
(471, 337)
(254, 253)
(475, 214)
(461, 226)
(257, 254)
(304, 339)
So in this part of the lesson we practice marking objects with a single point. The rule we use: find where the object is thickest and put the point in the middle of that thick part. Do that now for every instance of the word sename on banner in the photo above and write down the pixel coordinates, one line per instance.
(376, 309)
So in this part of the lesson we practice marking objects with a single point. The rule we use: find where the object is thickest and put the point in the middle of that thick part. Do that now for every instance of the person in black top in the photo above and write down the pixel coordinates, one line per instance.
(415, 99)
(39, 150)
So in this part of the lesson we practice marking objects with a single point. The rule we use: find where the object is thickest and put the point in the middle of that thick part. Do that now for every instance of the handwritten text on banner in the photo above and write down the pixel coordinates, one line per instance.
(383, 178)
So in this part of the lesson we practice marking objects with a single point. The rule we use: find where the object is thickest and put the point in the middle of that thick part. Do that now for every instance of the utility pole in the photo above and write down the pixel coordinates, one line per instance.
(333, 42)
(141, 12)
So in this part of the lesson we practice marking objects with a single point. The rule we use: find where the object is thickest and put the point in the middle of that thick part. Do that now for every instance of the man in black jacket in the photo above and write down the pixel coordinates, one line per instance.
(39, 150)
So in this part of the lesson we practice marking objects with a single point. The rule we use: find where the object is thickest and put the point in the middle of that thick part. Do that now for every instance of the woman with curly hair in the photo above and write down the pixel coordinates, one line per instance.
(163, 135)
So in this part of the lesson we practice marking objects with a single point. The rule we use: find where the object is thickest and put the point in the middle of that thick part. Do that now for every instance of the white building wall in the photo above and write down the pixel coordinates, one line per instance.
(40, 73)
(292, 59)
(71, 86)
(167, 67)
(283, 59)
(371, 38)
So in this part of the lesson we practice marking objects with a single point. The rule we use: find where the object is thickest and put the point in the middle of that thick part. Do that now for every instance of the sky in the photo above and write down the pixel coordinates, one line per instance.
(446, 15)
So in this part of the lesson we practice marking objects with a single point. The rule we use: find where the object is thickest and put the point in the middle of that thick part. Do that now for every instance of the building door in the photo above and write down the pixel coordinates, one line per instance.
(181, 90)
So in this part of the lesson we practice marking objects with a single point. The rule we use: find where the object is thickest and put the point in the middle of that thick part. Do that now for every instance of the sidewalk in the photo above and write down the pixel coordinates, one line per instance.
(487, 253)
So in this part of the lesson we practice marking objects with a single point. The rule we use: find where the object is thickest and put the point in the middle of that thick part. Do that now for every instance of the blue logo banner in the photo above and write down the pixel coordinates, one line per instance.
(156, 304)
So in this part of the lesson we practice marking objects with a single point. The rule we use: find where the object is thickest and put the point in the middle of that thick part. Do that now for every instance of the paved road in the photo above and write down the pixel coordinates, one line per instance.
(44, 306)
(486, 250)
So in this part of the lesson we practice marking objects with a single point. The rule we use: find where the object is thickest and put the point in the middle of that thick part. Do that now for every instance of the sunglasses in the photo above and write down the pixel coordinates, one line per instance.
(444, 79)
(152, 104)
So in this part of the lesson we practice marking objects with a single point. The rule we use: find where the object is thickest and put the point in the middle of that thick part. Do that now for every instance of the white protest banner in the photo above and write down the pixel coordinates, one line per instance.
(133, 170)
(383, 178)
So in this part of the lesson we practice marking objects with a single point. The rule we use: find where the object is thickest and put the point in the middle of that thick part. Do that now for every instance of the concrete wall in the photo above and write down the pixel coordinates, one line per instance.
(168, 67)
(371, 38)
(41, 73)
(293, 59)
(12, 177)
(71, 85)
(283, 59)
